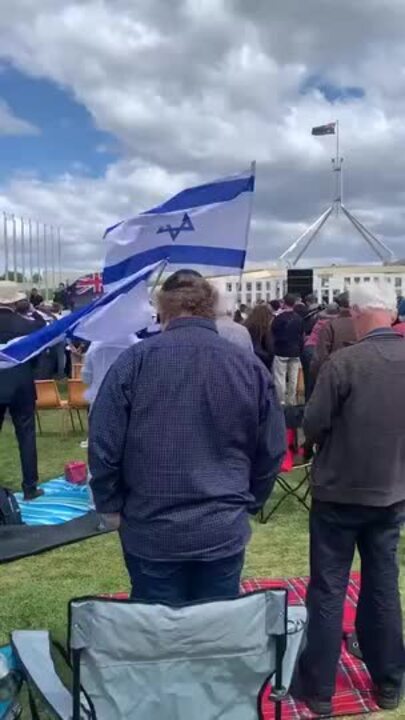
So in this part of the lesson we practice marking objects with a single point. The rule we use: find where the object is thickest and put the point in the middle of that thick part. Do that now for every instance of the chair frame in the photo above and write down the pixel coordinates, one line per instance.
(290, 491)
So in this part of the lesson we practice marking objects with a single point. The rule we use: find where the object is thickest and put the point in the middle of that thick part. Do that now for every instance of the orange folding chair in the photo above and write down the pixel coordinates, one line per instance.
(48, 398)
(77, 400)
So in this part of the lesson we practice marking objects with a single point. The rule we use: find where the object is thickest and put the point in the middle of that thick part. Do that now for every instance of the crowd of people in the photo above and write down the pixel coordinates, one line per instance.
(187, 435)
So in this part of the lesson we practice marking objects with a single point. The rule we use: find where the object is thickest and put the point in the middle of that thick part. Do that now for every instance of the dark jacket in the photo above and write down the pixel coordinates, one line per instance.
(335, 335)
(357, 417)
(17, 384)
(186, 436)
(288, 334)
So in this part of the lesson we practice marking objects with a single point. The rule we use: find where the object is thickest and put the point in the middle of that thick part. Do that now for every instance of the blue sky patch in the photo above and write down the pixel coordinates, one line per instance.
(332, 93)
(67, 141)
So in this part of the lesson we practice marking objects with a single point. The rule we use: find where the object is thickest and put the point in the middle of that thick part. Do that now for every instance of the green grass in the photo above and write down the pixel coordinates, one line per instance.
(34, 592)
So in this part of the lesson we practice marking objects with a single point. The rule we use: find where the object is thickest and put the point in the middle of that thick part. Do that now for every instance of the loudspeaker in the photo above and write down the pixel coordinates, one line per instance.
(300, 282)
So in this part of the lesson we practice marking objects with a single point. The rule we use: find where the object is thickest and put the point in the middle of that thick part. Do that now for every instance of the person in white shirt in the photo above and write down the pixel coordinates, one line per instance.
(98, 360)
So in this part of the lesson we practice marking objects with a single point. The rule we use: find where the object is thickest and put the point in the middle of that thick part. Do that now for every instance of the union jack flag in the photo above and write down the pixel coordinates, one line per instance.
(89, 283)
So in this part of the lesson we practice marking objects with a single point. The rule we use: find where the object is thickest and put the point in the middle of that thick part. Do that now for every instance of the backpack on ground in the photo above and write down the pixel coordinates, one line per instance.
(10, 513)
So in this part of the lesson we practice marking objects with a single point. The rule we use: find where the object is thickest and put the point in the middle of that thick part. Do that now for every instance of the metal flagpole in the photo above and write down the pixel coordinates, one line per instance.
(52, 238)
(249, 219)
(14, 230)
(312, 228)
(22, 248)
(6, 256)
(59, 254)
(30, 250)
(38, 243)
(46, 263)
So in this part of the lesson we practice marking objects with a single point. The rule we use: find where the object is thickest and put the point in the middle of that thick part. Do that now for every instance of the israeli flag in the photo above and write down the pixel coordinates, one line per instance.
(206, 225)
(117, 314)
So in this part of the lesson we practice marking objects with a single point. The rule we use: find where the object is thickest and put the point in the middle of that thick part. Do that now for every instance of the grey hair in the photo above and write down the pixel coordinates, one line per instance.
(374, 297)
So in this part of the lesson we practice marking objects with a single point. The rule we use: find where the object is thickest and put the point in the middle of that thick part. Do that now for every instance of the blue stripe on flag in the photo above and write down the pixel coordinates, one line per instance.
(176, 255)
(208, 194)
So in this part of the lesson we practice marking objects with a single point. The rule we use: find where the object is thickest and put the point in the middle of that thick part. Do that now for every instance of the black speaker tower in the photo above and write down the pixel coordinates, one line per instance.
(300, 282)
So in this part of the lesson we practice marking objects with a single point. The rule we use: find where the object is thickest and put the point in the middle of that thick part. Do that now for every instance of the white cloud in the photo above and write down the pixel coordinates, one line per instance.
(195, 89)
(10, 124)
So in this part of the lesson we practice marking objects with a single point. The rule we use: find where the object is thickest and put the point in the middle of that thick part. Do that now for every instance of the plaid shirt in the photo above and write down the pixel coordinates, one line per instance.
(186, 437)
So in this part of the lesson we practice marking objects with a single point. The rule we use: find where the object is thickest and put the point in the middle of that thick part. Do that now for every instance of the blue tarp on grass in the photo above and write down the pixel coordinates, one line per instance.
(61, 503)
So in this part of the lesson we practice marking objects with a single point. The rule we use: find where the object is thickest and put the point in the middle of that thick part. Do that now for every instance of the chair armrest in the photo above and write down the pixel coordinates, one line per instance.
(33, 650)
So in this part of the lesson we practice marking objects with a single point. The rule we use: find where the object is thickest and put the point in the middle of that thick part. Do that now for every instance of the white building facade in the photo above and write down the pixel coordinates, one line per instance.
(271, 284)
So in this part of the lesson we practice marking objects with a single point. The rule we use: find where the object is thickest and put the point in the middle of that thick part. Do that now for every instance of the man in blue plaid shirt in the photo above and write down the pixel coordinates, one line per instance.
(186, 439)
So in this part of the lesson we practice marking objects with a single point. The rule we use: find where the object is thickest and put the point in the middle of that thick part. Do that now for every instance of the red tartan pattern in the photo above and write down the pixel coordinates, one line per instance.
(353, 683)
(354, 694)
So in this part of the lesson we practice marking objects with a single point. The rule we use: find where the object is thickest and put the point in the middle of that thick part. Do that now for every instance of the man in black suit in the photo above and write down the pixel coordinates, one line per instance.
(17, 388)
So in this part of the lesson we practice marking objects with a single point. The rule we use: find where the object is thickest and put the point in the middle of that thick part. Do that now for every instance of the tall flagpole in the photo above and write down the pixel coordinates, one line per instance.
(38, 243)
(30, 250)
(14, 230)
(6, 256)
(59, 254)
(46, 263)
(52, 237)
(249, 219)
(22, 230)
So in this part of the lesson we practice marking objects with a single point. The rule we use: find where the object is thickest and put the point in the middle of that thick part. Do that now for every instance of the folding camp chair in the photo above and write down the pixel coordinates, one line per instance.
(132, 661)
(292, 480)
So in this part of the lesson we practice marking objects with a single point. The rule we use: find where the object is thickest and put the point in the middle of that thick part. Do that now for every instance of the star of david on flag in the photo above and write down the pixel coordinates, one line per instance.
(205, 226)
(174, 232)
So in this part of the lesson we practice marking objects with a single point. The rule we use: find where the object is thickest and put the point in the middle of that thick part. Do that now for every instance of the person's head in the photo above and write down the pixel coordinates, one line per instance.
(34, 291)
(61, 286)
(301, 309)
(331, 311)
(311, 300)
(343, 301)
(186, 294)
(275, 305)
(237, 317)
(373, 307)
(290, 301)
(259, 322)
(10, 295)
(22, 307)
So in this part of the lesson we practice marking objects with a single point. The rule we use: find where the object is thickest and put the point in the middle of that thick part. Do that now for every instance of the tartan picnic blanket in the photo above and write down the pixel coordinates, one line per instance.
(354, 694)
(354, 689)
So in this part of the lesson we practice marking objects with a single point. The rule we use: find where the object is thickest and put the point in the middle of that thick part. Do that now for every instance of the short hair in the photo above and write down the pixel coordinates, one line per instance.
(311, 299)
(275, 305)
(372, 297)
(290, 300)
(176, 280)
(343, 300)
(188, 295)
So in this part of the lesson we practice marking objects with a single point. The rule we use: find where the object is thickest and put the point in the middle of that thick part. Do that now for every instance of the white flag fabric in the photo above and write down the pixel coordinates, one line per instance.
(120, 312)
(206, 226)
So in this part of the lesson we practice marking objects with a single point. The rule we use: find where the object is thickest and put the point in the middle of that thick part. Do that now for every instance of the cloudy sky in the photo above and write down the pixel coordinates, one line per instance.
(109, 106)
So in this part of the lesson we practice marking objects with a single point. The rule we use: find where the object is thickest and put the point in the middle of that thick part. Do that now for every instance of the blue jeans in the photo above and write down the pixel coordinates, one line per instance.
(177, 583)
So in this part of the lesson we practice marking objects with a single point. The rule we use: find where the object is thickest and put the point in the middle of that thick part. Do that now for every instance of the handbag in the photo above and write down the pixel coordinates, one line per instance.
(76, 472)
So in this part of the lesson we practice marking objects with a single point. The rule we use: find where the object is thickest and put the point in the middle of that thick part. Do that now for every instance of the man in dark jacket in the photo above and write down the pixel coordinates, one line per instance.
(356, 418)
(288, 335)
(186, 438)
(17, 389)
(335, 335)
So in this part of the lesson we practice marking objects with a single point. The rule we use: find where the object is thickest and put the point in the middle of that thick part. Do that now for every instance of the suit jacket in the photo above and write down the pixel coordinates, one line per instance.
(17, 384)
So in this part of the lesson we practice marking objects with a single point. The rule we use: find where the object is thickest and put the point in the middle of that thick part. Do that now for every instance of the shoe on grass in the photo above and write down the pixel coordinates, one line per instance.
(33, 494)
(388, 697)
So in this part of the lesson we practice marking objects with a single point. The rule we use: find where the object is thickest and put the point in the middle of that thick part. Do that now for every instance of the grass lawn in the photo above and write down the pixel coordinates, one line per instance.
(34, 592)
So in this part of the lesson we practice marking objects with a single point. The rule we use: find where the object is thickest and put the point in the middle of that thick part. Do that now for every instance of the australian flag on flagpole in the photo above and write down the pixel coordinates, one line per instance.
(328, 129)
